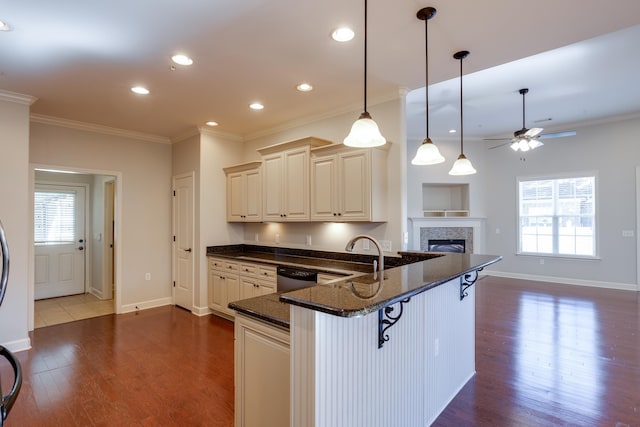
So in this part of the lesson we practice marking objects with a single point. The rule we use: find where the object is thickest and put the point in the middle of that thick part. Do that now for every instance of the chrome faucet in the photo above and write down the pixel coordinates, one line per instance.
(380, 267)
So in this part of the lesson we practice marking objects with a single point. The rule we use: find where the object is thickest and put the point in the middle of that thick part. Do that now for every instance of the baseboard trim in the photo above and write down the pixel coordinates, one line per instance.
(201, 311)
(18, 345)
(96, 293)
(144, 305)
(564, 280)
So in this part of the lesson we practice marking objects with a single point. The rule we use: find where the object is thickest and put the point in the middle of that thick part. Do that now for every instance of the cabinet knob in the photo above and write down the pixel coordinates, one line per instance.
(339, 214)
(335, 214)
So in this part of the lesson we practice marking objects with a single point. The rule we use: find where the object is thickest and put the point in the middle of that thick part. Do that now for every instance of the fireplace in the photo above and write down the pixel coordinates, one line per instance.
(469, 229)
(447, 245)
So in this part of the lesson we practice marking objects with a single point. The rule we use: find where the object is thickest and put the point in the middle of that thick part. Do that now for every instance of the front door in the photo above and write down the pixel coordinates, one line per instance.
(183, 240)
(59, 227)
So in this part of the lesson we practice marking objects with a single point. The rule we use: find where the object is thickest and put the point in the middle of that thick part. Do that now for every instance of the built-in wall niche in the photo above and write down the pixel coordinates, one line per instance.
(445, 200)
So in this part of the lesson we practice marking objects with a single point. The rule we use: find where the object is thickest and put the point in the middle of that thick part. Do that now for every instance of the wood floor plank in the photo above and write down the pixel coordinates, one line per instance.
(546, 355)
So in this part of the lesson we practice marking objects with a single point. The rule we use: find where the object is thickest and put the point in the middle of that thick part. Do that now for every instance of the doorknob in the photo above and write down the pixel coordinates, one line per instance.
(187, 250)
(80, 248)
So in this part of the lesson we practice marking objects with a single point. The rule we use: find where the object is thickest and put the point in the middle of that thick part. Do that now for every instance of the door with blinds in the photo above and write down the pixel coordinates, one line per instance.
(60, 246)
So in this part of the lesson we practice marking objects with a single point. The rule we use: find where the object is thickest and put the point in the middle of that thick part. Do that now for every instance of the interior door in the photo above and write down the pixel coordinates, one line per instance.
(183, 241)
(59, 227)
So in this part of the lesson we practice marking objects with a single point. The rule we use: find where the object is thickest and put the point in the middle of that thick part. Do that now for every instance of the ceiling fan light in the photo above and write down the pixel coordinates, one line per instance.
(462, 166)
(364, 133)
(515, 146)
(523, 145)
(427, 154)
(535, 143)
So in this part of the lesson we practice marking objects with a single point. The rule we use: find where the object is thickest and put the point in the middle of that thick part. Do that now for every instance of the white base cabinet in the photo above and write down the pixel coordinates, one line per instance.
(261, 374)
(230, 281)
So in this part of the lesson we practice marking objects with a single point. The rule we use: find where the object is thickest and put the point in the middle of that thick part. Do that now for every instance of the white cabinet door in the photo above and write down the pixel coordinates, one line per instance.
(354, 183)
(236, 196)
(253, 196)
(323, 191)
(261, 374)
(296, 184)
(244, 193)
(272, 176)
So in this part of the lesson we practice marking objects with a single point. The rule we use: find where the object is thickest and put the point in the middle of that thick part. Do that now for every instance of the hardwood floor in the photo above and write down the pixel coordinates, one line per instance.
(549, 354)
(546, 354)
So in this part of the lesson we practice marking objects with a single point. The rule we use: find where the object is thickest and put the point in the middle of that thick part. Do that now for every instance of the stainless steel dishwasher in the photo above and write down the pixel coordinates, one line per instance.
(292, 278)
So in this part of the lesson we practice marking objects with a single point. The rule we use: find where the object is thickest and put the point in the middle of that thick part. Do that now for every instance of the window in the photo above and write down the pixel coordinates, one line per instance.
(557, 216)
(54, 217)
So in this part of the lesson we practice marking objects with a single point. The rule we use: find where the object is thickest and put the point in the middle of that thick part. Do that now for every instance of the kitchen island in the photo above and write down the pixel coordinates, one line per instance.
(371, 352)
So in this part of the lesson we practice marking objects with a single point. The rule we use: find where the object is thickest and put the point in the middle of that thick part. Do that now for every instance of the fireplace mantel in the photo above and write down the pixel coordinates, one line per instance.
(477, 223)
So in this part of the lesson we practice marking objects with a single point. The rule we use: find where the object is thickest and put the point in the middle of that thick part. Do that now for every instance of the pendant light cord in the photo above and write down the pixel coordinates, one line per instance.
(426, 73)
(461, 116)
(365, 56)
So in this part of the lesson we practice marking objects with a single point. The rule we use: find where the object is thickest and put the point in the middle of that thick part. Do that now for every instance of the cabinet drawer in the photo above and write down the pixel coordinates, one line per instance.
(267, 273)
(249, 269)
(223, 265)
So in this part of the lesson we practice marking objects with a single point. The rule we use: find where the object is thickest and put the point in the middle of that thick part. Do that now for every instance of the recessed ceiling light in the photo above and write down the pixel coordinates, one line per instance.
(304, 87)
(452, 131)
(343, 34)
(256, 106)
(211, 123)
(140, 90)
(182, 59)
(4, 26)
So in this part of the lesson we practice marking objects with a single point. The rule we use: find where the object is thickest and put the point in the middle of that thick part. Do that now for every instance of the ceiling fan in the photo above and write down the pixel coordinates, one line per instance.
(528, 139)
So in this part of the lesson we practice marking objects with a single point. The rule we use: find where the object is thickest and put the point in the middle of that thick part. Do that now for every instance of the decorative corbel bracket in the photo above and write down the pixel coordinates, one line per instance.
(466, 281)
(387, 318)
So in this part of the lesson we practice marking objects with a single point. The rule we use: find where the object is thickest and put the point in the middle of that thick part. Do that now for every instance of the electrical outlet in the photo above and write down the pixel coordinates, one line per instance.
(308, 239)
(627, 233)
(147, 276)
(256, 237)
(386, 245)
(497, 231)
(541, 261)
(277, 238)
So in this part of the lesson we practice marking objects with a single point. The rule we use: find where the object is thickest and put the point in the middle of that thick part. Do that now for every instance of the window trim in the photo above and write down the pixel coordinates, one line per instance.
(596, 211)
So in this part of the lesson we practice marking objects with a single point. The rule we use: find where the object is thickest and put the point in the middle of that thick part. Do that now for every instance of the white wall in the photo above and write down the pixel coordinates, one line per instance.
(205, 155)
(14, 214)
(609, 149)
(145, 228)
(475, 151)
(391, 120)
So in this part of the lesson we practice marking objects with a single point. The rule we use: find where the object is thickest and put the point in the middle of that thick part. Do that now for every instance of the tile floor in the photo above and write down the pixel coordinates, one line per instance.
(53, 311)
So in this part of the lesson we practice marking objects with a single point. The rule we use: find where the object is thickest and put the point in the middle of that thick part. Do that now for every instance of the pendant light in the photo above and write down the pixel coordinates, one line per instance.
(428, 153)
(365, 132)
(462, 166)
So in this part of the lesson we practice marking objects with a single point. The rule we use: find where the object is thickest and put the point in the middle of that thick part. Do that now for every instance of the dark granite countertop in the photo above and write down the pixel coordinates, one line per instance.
(365, 294)
(353, 296)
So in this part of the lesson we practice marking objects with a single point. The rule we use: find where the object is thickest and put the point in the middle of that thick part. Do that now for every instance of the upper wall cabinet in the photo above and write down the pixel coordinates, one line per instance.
(285, 179)
(244, 192)
(348, 184)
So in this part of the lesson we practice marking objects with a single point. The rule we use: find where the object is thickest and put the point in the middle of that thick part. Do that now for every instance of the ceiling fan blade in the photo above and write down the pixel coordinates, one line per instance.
(557, 135)
(500, 145)
(497, 139)
(533, 132)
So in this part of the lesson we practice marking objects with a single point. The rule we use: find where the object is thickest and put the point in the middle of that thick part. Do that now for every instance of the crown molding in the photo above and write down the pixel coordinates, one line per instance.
(228, 136)
(18, 98)
(91, 127)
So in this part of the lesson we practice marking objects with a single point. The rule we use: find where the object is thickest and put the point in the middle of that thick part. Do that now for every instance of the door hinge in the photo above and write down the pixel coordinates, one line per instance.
(174, 238)
(174, 283)
(174, 193)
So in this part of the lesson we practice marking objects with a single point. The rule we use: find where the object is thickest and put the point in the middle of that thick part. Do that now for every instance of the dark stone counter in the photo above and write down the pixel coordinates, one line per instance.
(366, 293)
(414, 272)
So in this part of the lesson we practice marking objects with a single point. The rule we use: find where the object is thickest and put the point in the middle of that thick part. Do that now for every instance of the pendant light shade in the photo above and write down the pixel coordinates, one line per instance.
(428, 153)
(462, 166)
(365, 132)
